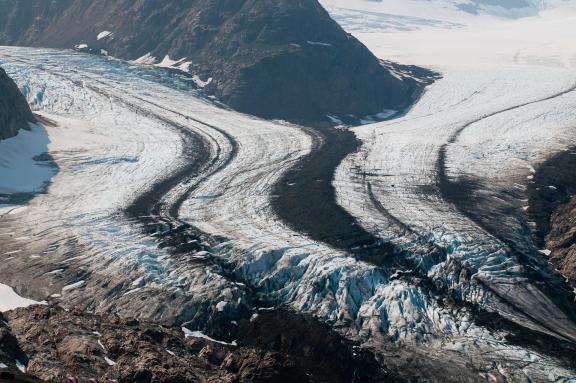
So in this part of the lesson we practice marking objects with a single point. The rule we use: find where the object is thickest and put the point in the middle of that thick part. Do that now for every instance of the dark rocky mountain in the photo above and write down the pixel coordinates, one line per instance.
(271, 58)
(15, 113)
(561, 240)
(552, 206)
(275, 346)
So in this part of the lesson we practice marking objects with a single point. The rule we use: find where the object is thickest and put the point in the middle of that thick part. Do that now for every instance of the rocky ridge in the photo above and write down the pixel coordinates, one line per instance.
(274, 346)
(271, 58)
(561, 240)
(552, 206)
(15, 113)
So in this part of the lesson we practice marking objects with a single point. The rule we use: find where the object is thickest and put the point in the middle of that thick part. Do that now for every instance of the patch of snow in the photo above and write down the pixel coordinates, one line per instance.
(21, 366)
(109, 361)
(200, 83)
(147, 59)
(132, 291)
(9, 300)
(170, 352)
(167, 62)
(185, 66)
(221, 306)
(81, 46)
(2, 365)
(334, 119)
(19, 171)
(73, 286)
(200, 334)
(319, 43)
(103, 35)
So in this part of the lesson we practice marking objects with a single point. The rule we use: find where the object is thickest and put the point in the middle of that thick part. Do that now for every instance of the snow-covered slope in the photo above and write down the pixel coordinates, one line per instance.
(402, 15)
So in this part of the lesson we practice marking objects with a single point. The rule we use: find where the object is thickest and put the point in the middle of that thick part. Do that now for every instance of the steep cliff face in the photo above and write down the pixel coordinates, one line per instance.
(272, 58)
(15, 113)
(552, 206)
(561, 240)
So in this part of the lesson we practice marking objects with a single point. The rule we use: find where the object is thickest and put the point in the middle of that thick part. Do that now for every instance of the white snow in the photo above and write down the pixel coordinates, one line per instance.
(21, 366)
(167, 62)
(198, 81)
(200, 334)
(81, 46)
(19, 171)
(2, 366)
(185, 66)
(221, 306)
(9, 300)
(319, 43)
(402, 15)
(73, 286)
(109, 361)
(103, 35)
(147, 59)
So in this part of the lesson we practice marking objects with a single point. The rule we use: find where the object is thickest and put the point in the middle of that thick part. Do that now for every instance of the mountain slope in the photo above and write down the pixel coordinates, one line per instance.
(14, 111)
(276, 59)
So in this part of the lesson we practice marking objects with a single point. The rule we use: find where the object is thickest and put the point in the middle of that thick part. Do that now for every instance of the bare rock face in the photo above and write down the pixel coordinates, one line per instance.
(10, 351)
(271, 58)
(561, 240)
(276, 346)
(15, 113)
(552, 206)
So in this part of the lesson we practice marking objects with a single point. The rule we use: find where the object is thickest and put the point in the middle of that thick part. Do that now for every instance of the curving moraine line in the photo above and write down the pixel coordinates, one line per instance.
(459, 193)
(306, 199)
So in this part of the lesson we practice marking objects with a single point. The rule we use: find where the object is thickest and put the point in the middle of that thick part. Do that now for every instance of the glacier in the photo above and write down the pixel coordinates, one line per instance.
(120, 131)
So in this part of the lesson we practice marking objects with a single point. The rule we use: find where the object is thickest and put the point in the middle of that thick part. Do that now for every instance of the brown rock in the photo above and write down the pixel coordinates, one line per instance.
(277, 347)
(561, 240)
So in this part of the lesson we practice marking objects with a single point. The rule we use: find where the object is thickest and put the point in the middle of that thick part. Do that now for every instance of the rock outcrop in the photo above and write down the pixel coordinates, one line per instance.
(15, 113)
(272, 58)
(561, 240)
(274, 346)
(552, 206)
